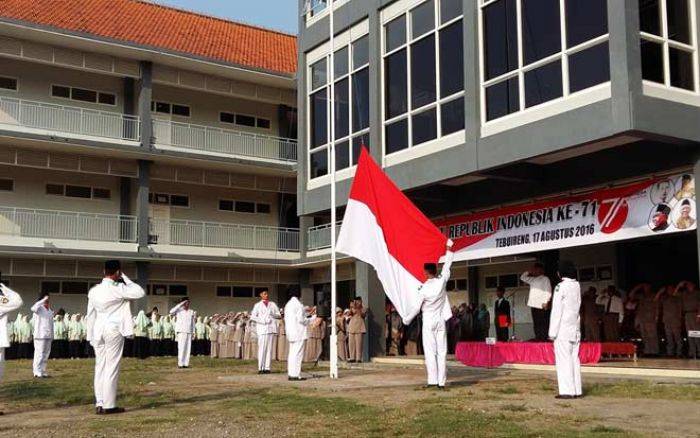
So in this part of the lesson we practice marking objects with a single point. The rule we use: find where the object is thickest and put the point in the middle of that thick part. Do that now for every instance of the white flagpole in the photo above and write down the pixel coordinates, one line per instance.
(331, 149)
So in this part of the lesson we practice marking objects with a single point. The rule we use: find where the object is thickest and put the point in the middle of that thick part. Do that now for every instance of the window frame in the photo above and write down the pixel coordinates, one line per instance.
(92, 191)
(666, 90)
(12, 183)
(440, 142)
(234, 202)
(342, 40)
(565, 102)
(154, 103)
(153, 193)
(70, 97)
(16, 79)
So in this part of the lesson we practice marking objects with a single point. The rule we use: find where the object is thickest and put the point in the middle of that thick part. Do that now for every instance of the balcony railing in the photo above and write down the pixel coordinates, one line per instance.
(223, 235)
(224, 141)
(319, 237)
(68, 119)
(69, 225)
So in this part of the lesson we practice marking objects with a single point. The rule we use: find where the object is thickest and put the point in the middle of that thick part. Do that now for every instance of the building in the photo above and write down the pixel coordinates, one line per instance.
(482, 109)
(157, 136)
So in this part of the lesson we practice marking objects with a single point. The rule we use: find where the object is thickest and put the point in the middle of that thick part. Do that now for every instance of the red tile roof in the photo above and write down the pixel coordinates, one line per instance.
(152, 25)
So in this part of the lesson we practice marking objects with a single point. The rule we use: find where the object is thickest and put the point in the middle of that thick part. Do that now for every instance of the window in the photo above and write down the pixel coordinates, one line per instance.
(243, 292)
(262, 208)
(78, 192)
(101, 193)
(537, 51)
(350, 76)
(225, 205)
(67, 287)
(170, 108)
(54, 189)
(169, 199)
(7, 185)
(73, 191)
(263, 123)
(227, 117)
(245, 207)
(504, 280)
(177, 290)
(84, 95)
(8, 83)
(668, 44)
(238, 291)
(50, 287)
(423, 74)
(223, 291)
(244, 120)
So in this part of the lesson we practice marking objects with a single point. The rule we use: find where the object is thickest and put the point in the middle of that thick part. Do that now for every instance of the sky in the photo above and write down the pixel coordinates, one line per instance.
(275, 14)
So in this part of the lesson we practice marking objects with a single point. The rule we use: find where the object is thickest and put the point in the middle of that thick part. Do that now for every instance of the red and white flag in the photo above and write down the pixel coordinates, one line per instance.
(384, 229)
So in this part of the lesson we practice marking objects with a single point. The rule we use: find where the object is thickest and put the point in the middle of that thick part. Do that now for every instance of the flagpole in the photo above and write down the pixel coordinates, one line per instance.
(331, 70)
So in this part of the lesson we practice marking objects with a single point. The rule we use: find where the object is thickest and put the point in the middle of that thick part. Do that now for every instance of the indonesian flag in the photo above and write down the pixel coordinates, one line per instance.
(384, 229)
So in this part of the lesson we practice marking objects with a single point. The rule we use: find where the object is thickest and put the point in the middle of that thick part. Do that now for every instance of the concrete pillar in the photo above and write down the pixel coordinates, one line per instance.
(305, 222)
(368, 287)
(145, 95)
(625, 60)
(142, 274)
(307, 291)
(142, 203)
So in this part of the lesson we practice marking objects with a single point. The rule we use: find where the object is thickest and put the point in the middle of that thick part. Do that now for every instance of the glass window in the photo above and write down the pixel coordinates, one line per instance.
(652, 61)
(502, 99)
(342, 108)
(342, 155)
(163, 107)
(223, 291)
(650, 16)
(397, 136)
(226, 117)
(451, 48)
(78, 192)
(245, 207)
(319, 163)
(360, 100)
(395, 33)
(424, 126)
(74, 287)
(60, 91)
(98, 193)
(180, 200)
(589, 67)
(181, 110)
(177, 290)
(7, 185)
(395, 80)
(263, 208)
(541, 29)
(500, 38)
(423, 72)
(318, 74)
(452, 116)
(107, 99)
(543, 84)
(585, 20)
(263, 123)
(244, 120)
(450, 9)
(243, 291)
(50, 287)
(8, 83)
(357, 144)
(681, 66)
(225, 205)
(83, 95)
(341, 62)
(678, 17)
(360, 52)
(319, 118)
(422, 19)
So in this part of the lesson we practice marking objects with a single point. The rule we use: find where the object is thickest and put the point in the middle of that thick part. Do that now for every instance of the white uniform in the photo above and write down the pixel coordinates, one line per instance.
(109, 321)
(435, 307)
(265, 317)
(565, 329)
(184, 327)
(9, 301)
(43, 336)
(295, 323)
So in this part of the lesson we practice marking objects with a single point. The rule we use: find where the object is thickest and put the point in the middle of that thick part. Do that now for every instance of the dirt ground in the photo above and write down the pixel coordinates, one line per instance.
(227, 398)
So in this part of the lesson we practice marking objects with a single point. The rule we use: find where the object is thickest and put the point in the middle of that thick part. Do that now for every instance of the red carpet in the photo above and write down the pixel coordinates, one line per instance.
(479, 354)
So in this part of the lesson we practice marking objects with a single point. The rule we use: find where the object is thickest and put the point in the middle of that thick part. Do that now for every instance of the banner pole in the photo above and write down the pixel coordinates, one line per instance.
(331, 73)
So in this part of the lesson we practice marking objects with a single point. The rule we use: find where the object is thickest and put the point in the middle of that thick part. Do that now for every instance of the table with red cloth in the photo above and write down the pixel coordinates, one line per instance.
(480, 354)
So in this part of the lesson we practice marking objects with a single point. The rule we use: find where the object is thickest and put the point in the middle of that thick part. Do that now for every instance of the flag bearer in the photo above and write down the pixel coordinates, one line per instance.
(265, 315)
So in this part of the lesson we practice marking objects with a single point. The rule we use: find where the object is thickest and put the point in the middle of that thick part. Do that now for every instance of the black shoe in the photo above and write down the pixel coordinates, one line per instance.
(113, 411)
(99, 410)
(578, 396)
(266, 371)
(261, 372)
(441, 387)
(297, 379)
(564, 397)
(429, 385)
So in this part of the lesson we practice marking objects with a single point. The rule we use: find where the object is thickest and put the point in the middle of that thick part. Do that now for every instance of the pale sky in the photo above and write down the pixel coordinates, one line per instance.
(275, 14)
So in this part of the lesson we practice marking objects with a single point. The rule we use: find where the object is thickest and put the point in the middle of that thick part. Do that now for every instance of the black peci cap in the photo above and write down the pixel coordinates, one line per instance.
(113, 265)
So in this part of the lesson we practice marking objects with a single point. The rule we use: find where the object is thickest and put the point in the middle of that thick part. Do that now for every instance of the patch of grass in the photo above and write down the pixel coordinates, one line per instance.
(641, 389)
(508, 389)
(514, 408)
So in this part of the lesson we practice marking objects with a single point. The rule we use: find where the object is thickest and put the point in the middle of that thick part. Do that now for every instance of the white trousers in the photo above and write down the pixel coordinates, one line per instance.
(294, 358)
(108, 354)
(568, 367)
(42, 350)
(265, 346)
(184, 346)
(435, 351)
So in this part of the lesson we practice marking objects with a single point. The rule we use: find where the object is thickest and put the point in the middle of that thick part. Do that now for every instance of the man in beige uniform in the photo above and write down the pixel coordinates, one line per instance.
(647, 319)
(672, 313)
(356, 330)
(691, 312)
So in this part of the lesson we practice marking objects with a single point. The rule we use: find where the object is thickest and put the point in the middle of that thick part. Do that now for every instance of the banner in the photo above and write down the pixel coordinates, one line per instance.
(655, 206)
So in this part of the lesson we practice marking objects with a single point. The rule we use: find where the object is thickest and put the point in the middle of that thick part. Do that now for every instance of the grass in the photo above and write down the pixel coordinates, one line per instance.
(634, 389)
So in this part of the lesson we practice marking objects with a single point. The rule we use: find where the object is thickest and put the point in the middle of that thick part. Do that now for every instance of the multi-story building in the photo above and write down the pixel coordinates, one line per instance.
(157, 136)
(476, 105)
